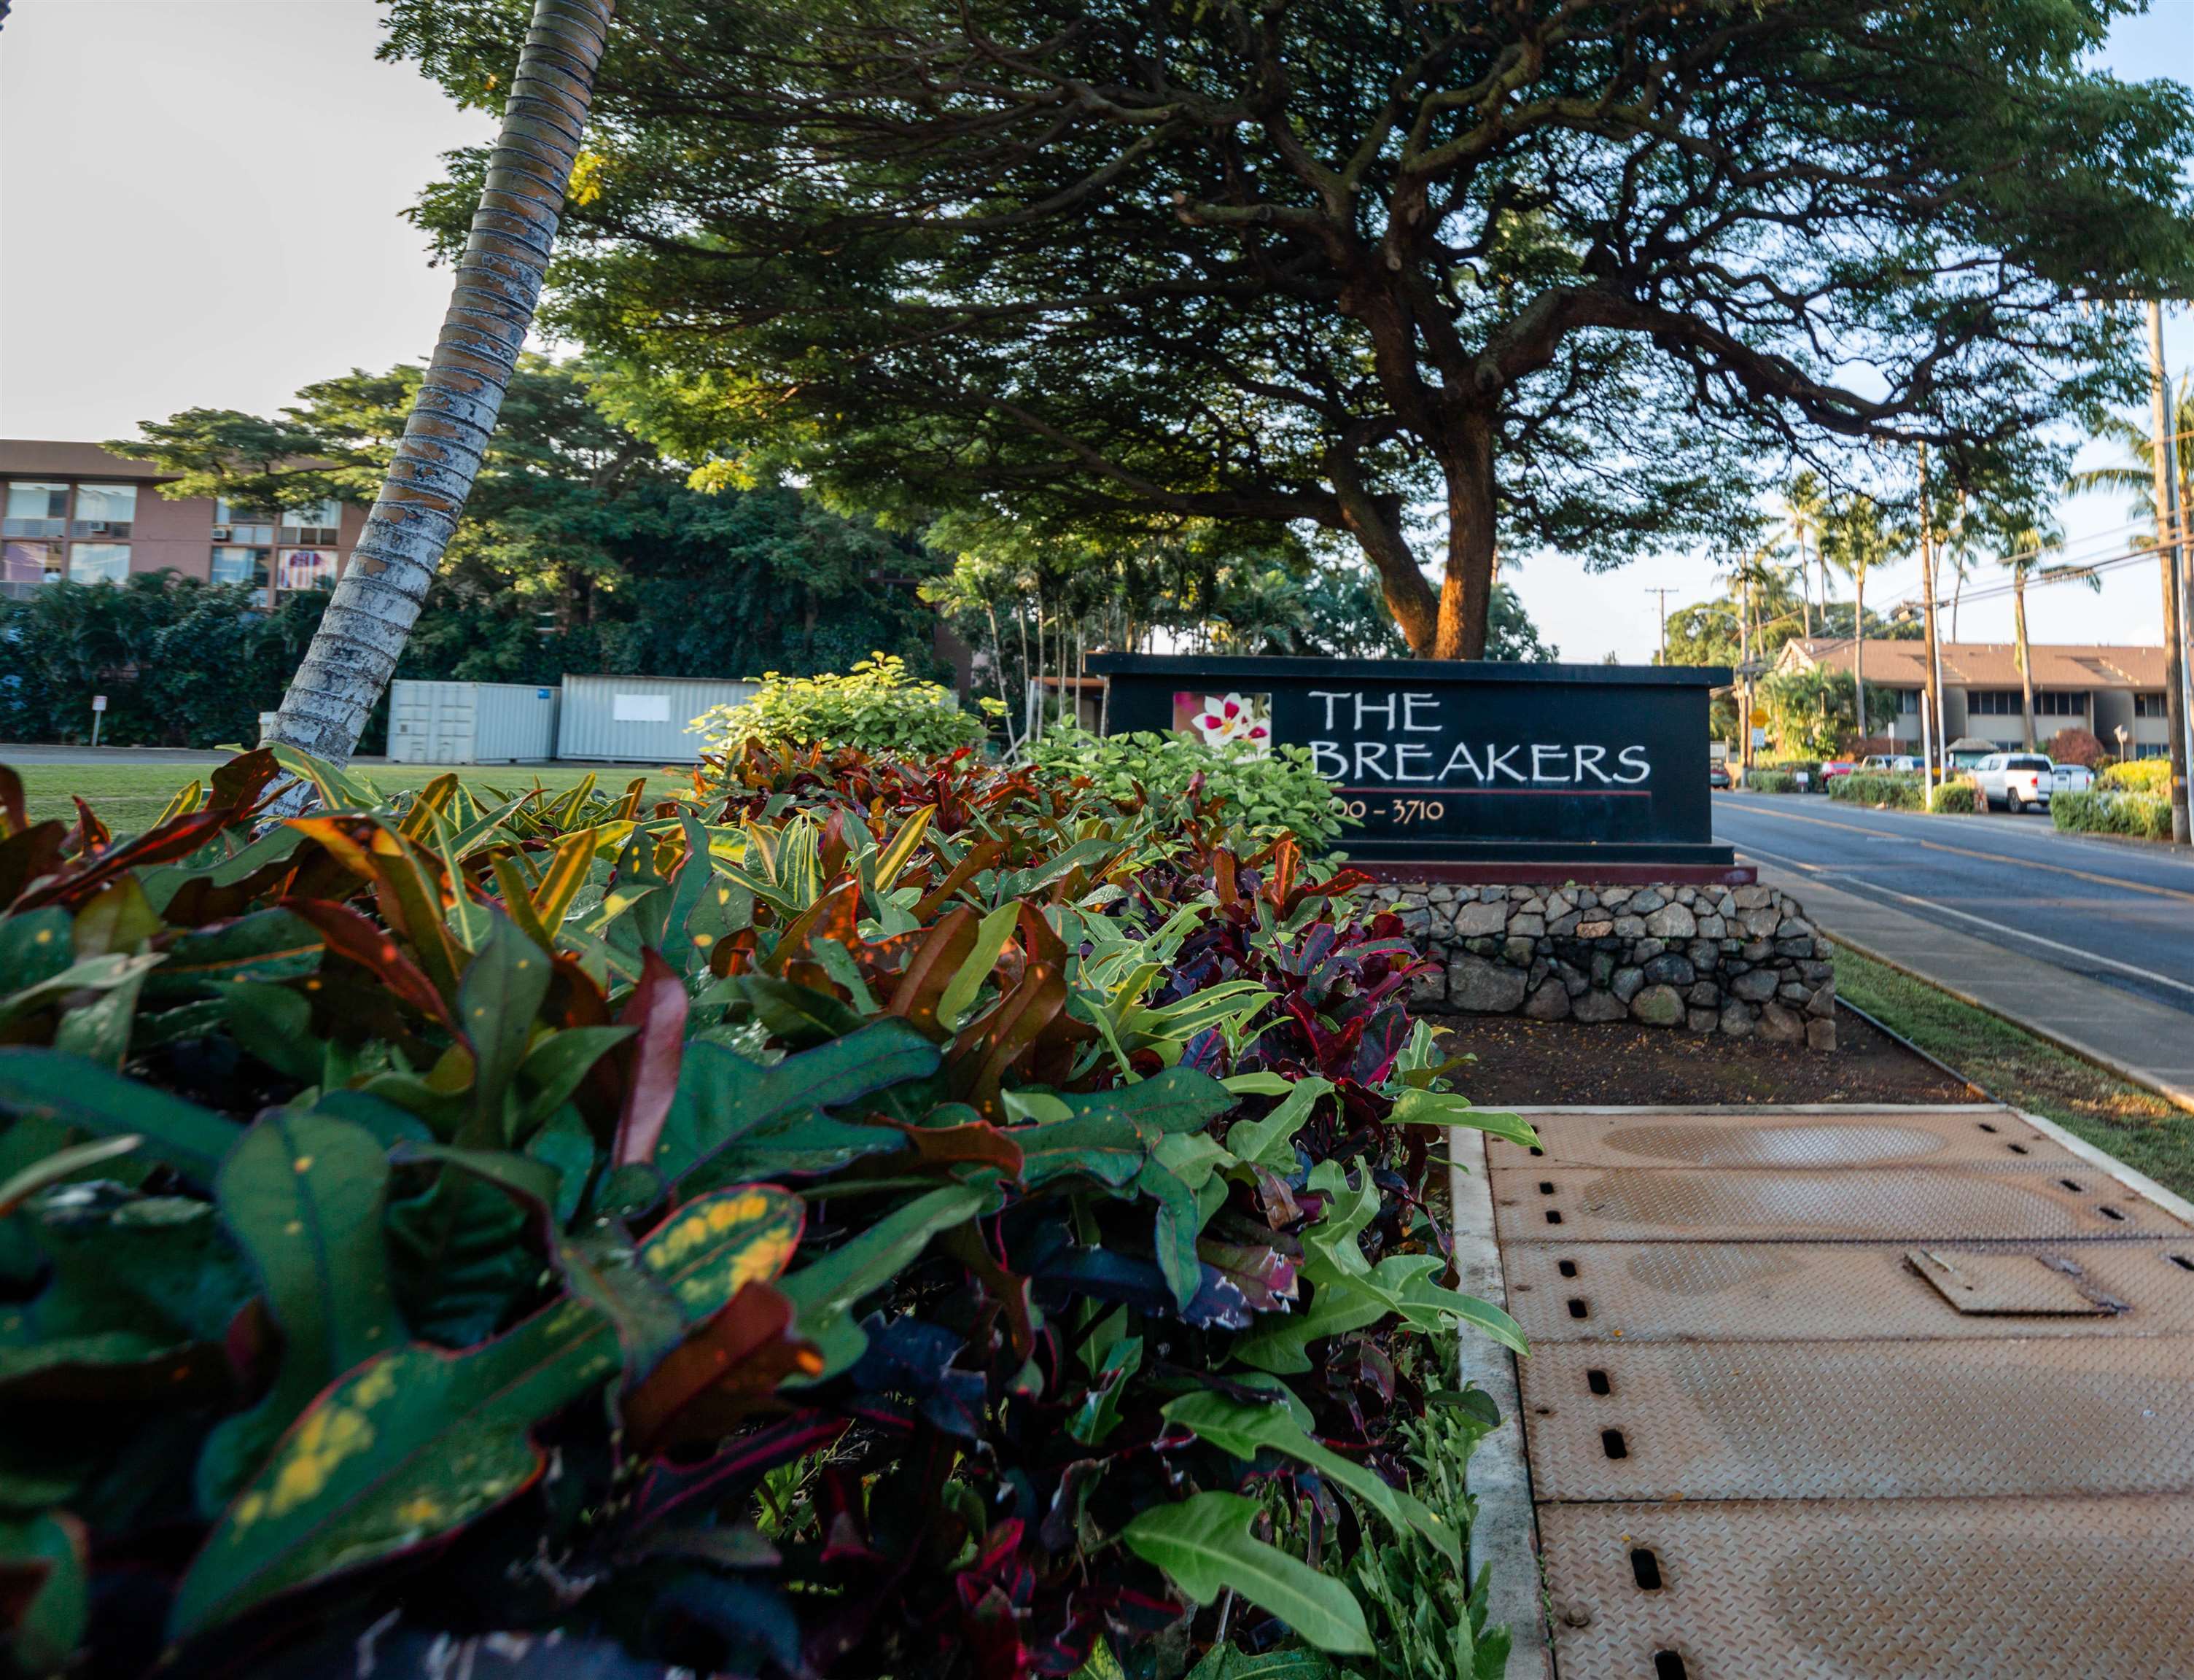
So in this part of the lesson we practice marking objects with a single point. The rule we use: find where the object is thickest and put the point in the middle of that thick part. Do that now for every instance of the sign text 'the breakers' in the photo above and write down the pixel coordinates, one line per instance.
(1399, 740)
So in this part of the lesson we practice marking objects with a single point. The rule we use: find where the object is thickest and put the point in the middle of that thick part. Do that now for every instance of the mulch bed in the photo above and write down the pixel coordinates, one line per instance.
(1561, 1062)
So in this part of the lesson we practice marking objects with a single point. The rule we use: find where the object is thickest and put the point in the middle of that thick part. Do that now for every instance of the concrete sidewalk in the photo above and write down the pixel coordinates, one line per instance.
(2148, 1043)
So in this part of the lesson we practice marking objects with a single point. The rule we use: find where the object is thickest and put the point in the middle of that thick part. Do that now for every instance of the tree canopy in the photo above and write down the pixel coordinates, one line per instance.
(1437, 279)
(582, 549)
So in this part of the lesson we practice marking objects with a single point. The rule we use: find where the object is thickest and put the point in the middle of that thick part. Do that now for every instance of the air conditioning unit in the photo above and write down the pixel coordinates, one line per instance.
(220, 533)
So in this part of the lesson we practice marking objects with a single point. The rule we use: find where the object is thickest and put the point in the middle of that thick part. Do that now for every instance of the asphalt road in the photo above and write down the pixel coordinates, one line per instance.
(2118, 912)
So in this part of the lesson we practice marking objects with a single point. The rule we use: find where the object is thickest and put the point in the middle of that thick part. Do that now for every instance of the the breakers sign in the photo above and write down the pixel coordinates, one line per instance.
(1398, 738)
(1461, 762)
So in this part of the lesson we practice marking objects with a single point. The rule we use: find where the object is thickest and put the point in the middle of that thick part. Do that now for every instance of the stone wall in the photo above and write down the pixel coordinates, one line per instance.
(1734, 960)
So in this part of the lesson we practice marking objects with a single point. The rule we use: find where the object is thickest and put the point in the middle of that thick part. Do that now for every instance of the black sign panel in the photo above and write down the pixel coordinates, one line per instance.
(1463, 760)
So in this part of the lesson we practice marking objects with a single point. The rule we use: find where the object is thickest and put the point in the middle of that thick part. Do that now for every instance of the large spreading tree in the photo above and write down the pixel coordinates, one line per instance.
(1519, 274)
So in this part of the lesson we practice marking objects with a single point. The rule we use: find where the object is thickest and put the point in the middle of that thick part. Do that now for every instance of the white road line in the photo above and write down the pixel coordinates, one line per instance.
(1996, 926)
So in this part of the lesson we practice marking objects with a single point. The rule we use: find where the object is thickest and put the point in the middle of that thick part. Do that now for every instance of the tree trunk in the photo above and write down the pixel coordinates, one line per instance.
(1466, 600)
(499, 282)
(1859, 650)
(2019, 648)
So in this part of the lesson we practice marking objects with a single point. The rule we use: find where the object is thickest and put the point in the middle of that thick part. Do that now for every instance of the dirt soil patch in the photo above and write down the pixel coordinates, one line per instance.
(1562, 1062)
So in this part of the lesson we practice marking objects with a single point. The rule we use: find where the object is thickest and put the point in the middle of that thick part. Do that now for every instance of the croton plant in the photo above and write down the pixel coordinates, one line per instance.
(862, 1218)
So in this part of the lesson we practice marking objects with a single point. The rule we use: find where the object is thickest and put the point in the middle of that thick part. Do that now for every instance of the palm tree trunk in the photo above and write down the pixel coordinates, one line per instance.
(1858, 648)
(499, 282)
(2025, 663)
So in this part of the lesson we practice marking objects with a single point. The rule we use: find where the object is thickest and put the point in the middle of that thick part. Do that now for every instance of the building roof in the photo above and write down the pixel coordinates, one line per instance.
(1988, 664)
(48, 457)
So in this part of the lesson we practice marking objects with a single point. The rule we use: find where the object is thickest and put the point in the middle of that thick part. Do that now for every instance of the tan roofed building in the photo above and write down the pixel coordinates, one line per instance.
(2100, 688)
(74, 511)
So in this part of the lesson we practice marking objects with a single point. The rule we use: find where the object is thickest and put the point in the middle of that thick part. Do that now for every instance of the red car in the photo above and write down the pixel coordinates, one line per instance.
(1836, 767)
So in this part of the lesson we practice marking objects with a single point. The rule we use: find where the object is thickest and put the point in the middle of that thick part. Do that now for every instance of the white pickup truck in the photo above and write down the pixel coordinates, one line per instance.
(2015, 780)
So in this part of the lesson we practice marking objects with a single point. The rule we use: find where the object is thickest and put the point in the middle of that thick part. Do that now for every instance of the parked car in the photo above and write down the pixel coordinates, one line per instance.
(1837, 767)
(2014, 780)
(1718, 773)
(1889, 764)
(2070, 778)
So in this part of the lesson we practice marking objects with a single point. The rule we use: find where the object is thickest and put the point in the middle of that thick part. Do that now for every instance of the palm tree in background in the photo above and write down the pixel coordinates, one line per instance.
(2023, 537)
(1857, 535)
(498, 283)
(1807, 505)
(2136, 476)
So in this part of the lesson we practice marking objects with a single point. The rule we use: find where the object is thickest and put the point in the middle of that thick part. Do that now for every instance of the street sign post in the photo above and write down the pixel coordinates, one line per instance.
(98, 711)
(1461, 762)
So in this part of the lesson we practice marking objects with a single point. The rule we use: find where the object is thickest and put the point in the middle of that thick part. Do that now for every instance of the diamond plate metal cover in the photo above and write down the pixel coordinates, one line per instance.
(1792, 1420)
(1573, 1204)
(1908, 1589)
(1728, 1138)
(1666, 1291)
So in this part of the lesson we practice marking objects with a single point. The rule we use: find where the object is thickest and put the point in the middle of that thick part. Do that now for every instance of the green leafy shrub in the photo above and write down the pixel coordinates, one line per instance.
(877, 706)
(1959, 797)
(2137, 775)
(1268, 795)
(1770, 781)
(833, 1241)
(1898, 792)
(2099, 810)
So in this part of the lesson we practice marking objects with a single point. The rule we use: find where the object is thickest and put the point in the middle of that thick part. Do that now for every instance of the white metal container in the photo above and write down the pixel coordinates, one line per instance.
(641, 719)
(471, 722)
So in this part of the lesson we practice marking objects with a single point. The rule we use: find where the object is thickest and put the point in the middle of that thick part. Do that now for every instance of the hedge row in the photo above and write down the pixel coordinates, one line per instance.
(2146, 816)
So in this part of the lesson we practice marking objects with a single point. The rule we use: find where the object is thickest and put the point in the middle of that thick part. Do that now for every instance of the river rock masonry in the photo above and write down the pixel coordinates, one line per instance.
(1739, 961)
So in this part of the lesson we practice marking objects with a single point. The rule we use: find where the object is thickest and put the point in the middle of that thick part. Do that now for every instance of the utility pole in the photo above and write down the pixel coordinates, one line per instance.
(1927, 597)
(1664, 594)
(2168, 546)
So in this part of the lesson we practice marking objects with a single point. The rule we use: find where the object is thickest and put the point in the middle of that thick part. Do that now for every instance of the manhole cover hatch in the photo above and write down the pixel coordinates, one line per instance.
(1954, 1136)
(1829, 1292)
(1908, 1589)
(2007, 1284)
(1555, 1204)
(1790, 1420)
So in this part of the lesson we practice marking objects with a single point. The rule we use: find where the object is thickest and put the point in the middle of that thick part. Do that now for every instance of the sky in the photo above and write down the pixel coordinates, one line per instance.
(201, 206)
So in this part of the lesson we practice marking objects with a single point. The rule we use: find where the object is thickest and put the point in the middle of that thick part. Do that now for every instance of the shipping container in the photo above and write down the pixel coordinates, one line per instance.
(641, 720)
(471, 722)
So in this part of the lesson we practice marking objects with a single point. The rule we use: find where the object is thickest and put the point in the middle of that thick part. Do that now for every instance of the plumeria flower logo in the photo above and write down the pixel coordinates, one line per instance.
(1233, 722)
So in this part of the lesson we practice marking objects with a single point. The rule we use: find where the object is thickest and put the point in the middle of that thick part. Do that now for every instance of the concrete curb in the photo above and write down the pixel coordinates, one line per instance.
(2135, 1180)
(1505, 1538)
(2063, 1041)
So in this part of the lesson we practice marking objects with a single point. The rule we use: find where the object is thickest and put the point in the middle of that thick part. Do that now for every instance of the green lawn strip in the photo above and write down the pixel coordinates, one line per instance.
(2147, 1133)
(129, 797)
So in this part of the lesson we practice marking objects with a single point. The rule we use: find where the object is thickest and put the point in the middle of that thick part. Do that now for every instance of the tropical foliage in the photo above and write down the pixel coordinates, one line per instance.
(1813, 711)
(872, 1215)
(876, 707)
(2103, 810)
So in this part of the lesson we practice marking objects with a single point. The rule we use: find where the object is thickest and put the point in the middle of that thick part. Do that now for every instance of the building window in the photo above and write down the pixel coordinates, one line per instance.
(235, 523)
(26, 567)
(97, 562)
(2152, 749)
(305, 569)
(36, 510)
(244, 566)
(2150, 705)
(104, 510)
(1908, 700)
(2008, 702)
(318, 523)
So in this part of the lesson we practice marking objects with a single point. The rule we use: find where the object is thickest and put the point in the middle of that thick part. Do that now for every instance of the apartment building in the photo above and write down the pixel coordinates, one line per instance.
(74, 511)
(2114, 693)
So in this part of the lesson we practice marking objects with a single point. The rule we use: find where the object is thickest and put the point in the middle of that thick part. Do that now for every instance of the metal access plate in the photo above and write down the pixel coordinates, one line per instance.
(1909, 1204)
(1798, 1420)
(1725, 1138)
(1903, 1589)
(1666, 1291)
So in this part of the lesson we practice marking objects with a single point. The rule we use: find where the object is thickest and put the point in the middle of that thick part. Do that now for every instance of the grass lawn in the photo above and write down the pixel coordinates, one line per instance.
(2142, 1130)
(128, 796)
